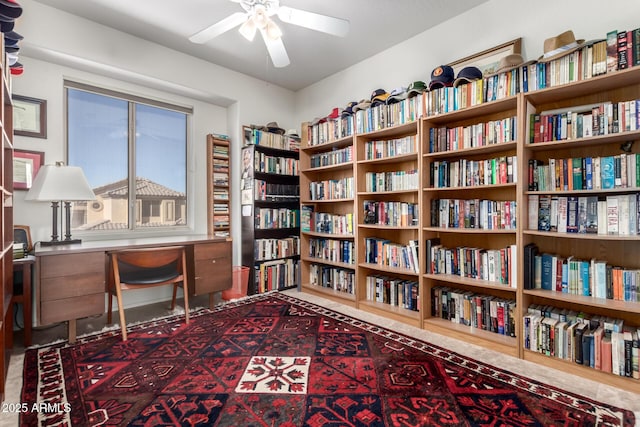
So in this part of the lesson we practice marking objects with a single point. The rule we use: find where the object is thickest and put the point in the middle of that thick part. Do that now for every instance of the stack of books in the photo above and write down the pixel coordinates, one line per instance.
(19, 250)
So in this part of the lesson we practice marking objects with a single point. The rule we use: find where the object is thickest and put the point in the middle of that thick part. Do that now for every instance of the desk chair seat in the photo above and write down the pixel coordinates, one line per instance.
(145, 268)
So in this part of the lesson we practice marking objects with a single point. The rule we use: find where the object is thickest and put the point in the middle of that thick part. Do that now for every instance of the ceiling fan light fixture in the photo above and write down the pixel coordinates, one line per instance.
(248, 29)
(273, 30)
(260, 16)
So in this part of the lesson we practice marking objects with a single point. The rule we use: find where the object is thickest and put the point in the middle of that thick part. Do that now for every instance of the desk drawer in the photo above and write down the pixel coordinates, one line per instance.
(208, 251)
(64, 309)
(55, 288)
(212, 267)
(72, 264)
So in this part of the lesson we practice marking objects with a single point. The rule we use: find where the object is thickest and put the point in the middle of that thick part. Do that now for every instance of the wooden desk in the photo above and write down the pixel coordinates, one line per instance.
(25, 265)
(72, 279)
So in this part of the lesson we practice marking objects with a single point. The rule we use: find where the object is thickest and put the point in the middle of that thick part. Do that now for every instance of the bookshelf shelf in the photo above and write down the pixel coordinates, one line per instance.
(389, 227)
(391, 159)
(333, 294)
(485, 149)
(585, 142)
(502, 343)
(328, 201)
(472, 188)
(586, 301)
(393, 270)
(329, 168)
(328, 262)
(581, 236)
(469, 230)
(328, 235)
(476, 283)
(407, 316)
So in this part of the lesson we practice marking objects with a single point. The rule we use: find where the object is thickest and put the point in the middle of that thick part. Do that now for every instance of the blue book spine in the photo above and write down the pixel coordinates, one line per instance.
(589, 173)
(607, 172)
(565, 277)
(584, 278)
(547, 265)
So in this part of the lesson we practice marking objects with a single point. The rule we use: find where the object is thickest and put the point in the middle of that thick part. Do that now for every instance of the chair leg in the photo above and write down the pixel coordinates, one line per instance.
(185, 290)
(123, 322)
(173, 300)
(110, 309)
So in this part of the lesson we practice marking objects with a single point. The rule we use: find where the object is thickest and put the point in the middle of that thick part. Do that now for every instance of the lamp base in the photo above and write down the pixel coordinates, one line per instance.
(60, 242)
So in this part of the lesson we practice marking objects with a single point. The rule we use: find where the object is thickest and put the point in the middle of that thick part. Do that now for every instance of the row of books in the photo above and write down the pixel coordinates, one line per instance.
(221, 208)
(272, 140)
(477, 135)
(325, 222)
(277, 165)
(386, 253)
(338, 279)
(270, 191)
(220, 151)
(488, 313)
(472, 173)
(388, 115)
(330, 130)
(393, 291)
(221, 179)
(221, 165)
(612, 215)
(597, 342)
(473, 213)
(623, 49)
(220, 221)
(334, 157)
(271, 218)
(390, 147)
(446, 99)
(585, 173)
(332, 189)
(391, 181)
(277, 274)
(269, 249)
(570, 275)
(19, 250)
(584, 121)
(391, 213)
(333, 250)
(220, 194)
(498, 266)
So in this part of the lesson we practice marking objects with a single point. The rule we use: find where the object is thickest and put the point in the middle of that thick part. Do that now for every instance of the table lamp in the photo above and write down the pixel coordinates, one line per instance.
(60, 183)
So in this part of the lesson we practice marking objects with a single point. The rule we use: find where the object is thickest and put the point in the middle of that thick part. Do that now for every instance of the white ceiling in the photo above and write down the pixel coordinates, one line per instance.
(375, 25)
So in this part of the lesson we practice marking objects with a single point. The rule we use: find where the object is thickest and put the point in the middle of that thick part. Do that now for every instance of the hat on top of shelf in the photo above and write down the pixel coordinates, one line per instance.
(397, 95)
(335, 113)
(12, 35)
(467, 75)
(6, 26)
(560, 45)
(362, 105)
(16, 69)
(10, 9)
(379, 96)
(274, 128)
(416, 88)
(292, 132)
(442, 76)
(348, 110)
(509, 62)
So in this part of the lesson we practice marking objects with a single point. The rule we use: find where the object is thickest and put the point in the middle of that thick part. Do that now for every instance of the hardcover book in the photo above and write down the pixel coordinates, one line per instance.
(572, 214)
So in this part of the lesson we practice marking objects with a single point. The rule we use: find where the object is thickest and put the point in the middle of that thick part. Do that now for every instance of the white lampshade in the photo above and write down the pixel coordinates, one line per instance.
(59, 182)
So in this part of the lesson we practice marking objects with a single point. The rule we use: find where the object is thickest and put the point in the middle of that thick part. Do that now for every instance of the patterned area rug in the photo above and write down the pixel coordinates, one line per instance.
(274, 360)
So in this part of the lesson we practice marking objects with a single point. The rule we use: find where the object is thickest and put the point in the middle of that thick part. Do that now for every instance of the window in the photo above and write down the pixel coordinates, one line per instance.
(134, 154)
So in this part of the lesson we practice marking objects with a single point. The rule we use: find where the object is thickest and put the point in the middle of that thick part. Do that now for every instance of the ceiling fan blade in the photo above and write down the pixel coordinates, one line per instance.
(218, 28)
(276, 50)
(326, 24)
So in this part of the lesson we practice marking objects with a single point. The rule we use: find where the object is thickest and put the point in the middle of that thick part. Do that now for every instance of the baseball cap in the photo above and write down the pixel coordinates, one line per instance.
(467, 75)
(441, 76)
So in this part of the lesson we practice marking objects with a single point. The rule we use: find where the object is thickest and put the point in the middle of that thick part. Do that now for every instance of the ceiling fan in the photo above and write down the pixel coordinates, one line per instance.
(257, 17)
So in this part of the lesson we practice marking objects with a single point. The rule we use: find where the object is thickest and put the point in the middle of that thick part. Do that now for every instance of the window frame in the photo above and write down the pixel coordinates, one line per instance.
(133, 204)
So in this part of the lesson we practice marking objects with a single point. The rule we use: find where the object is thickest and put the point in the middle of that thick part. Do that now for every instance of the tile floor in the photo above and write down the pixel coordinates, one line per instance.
(594, 390)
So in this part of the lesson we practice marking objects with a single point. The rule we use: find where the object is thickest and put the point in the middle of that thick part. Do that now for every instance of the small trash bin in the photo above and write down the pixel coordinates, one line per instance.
(240, 281)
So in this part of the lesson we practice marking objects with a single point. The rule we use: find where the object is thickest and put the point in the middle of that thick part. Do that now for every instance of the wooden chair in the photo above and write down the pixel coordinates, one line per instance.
(145, 268)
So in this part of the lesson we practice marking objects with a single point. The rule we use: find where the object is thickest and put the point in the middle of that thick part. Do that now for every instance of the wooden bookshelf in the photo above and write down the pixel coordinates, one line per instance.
(218, 188)
(621, 250)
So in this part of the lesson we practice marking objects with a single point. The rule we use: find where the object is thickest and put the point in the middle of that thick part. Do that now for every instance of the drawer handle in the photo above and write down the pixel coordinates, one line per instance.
(213, 261)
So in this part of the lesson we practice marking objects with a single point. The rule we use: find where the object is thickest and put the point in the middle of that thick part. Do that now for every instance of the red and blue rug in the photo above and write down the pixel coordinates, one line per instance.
(274, 360)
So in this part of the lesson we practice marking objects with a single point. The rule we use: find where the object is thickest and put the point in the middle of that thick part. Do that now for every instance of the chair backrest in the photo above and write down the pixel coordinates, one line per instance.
(149, 265)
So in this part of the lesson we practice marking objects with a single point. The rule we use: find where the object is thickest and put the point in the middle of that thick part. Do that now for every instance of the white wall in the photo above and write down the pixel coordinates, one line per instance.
(487, 25)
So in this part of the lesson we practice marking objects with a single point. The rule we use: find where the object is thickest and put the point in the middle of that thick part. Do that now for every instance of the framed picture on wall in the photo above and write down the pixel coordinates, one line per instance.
(29, 116)
(26, 165)
(488, 60)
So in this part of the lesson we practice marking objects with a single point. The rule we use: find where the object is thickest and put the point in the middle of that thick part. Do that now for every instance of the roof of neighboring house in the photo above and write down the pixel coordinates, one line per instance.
(144, 188)
(108, 225)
